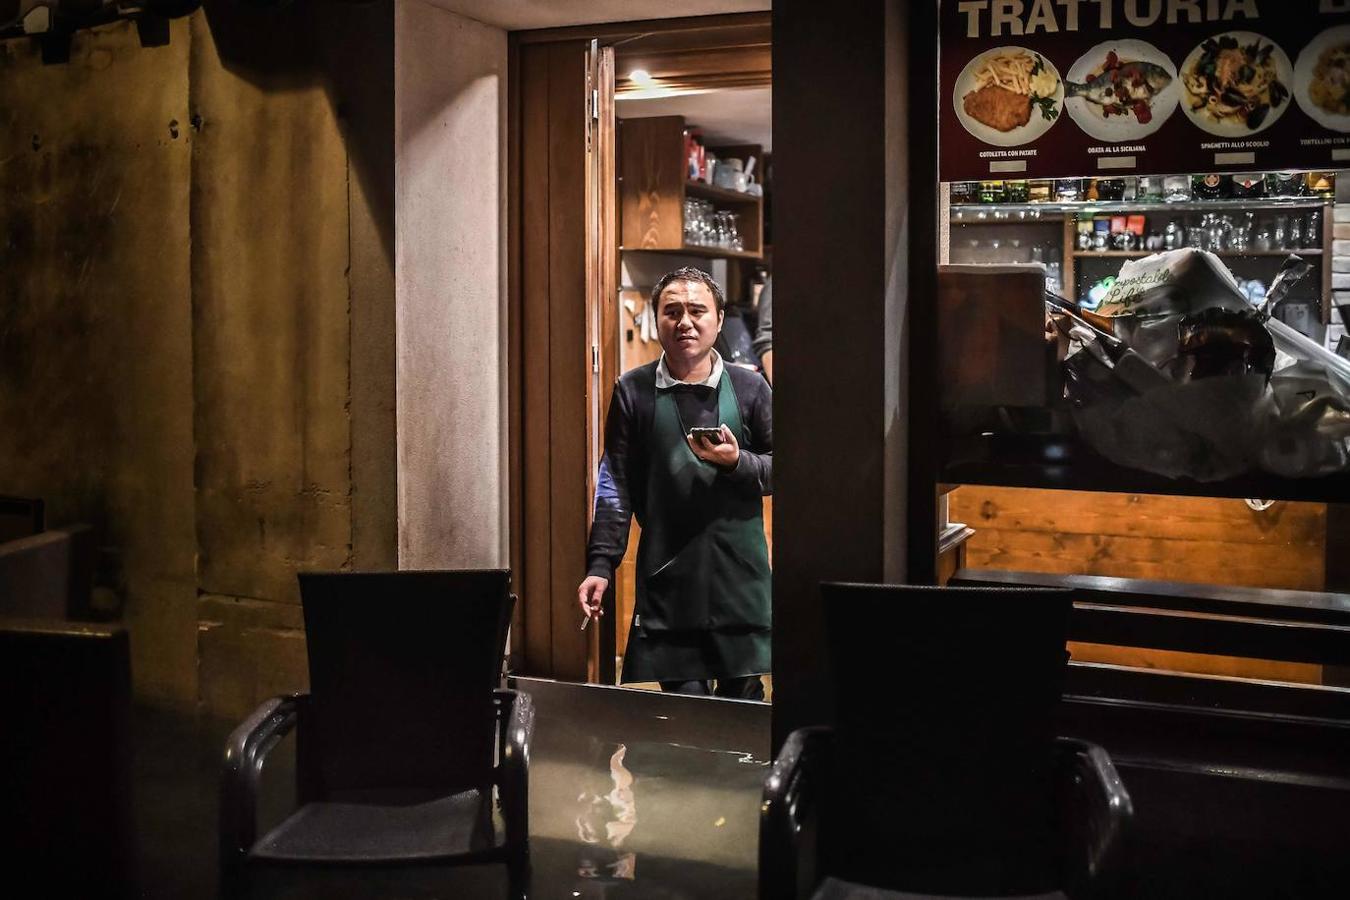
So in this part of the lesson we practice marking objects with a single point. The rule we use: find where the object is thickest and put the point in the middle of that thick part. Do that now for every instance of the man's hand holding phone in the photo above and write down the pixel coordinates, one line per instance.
(715, 445)
(591, 594)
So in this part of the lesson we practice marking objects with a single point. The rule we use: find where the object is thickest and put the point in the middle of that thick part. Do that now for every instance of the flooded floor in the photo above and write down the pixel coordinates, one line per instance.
(632, 794)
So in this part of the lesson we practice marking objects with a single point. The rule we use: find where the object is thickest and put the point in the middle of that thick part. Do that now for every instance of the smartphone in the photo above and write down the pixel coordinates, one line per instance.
(712, 434)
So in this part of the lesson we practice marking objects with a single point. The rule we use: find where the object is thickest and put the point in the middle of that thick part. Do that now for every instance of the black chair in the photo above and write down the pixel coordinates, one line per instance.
(403, 739)
(942, 774)
(65, 759)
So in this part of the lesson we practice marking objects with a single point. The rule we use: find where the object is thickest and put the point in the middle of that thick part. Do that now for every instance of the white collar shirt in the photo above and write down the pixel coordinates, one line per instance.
(665, 381)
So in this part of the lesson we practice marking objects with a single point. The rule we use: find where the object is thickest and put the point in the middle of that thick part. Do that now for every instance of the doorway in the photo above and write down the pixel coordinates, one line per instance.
(606, 123)
(694, 168)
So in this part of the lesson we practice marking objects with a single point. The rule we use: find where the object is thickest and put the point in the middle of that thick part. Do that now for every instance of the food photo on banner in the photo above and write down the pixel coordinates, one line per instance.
(1061, 88)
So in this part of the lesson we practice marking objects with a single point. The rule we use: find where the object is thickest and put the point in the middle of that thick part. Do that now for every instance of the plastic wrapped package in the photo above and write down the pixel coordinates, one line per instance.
(1310, 389)
(1178, 374)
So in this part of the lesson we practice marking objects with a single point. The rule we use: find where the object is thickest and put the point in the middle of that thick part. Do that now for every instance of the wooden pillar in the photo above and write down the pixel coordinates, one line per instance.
(855, 227)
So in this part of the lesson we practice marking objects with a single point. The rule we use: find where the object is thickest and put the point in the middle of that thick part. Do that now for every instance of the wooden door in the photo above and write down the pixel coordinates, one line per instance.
(552, 375)
(602, 307)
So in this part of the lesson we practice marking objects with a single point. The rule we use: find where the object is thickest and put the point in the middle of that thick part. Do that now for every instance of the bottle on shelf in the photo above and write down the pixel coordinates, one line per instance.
(1249, 186)
(1176, 188)
(993, 192)
(1016, 191)
(1068, 190)
(1083, 235)
(1110, 189)
(1211, 186)
(1149, 189)
(1286, 184)
(965, 191)
(1321, 184)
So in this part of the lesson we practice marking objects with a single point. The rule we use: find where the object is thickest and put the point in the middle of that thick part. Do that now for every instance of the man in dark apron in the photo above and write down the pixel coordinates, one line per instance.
(703, 611)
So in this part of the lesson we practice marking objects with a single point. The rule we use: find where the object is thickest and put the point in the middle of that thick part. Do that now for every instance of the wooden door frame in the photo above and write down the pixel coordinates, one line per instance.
(550, 458)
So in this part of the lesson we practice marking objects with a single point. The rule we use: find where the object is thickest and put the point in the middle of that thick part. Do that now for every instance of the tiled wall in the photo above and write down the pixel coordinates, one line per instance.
(1340, 261)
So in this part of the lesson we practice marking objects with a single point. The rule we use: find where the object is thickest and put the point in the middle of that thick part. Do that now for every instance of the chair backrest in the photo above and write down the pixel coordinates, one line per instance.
(945, 701)
(402, 666)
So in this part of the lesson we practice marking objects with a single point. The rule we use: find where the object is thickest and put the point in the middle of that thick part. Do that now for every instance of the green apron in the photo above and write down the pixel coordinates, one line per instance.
(703, 586)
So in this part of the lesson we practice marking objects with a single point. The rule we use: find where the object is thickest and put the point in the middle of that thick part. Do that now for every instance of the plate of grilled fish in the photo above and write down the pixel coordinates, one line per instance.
(1008, 96)
(1121, 90)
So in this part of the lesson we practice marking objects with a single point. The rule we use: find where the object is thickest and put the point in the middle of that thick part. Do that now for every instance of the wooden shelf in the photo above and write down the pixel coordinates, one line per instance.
(1139, 254)
(653, 186)
(696, 250)
(711, 192)
(967, 212)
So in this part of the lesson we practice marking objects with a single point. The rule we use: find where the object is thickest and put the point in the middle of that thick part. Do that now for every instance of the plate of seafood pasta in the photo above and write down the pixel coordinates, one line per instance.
(1121, 90)
(1322, 79)
(1008, 96)
(1236, 84)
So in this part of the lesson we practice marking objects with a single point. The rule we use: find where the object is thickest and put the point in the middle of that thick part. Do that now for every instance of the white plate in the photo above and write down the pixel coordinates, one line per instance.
(1303, 75)
(1039, 125)
(1088, 116)
(1234, 127)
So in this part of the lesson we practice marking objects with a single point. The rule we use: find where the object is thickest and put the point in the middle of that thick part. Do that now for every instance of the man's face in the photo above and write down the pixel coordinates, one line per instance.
(687, 320)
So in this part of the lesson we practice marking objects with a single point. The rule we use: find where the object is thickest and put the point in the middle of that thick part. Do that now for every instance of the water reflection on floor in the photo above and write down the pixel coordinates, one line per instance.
(632, 794)
(642, 795)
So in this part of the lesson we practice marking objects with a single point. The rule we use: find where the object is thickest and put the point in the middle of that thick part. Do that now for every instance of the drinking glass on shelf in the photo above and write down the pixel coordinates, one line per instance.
(1280, 235)
(1219, 228)
(1264, 239)
(725, 229)
(1312, 232)
(734, 241)
(1295, 232)
(1240, 237)
(710, 223)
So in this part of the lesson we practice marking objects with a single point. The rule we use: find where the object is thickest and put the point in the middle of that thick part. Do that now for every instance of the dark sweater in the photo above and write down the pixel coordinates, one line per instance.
(621, 488)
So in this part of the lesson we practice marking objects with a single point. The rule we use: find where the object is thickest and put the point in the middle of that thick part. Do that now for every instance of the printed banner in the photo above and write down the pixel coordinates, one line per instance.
(1073, 88)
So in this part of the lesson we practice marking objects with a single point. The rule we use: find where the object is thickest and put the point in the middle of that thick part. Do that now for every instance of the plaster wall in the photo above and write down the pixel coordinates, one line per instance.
(450, 88)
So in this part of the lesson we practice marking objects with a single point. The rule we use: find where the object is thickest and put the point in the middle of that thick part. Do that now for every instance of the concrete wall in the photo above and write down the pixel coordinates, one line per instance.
(275, 307)
(450, 187)
(95, 322)
(196, 323)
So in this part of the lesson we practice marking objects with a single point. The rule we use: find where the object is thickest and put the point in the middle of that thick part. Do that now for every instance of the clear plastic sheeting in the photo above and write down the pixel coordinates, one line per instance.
(1310, 387)
(1178, 374)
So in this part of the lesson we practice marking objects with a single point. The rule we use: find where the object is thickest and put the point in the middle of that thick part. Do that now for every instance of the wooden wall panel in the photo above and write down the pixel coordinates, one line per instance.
(1204, 540)
(1197, 663)
(533, 362)
(568, 359)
